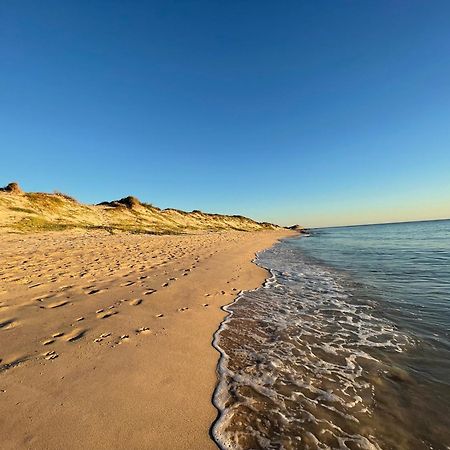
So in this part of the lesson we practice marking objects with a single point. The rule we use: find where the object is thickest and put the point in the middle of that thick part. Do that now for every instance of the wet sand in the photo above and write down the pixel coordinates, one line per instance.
(105, 340)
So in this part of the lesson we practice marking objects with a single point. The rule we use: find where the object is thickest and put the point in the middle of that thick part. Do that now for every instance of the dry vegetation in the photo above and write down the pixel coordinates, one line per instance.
(36, 211)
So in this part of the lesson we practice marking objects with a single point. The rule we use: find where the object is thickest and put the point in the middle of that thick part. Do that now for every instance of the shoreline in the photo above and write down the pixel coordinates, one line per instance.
(222, 362)
(139, 370)
(329, 322)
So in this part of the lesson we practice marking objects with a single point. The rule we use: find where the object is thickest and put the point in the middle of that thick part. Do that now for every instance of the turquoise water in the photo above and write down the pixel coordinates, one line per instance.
(347, 345)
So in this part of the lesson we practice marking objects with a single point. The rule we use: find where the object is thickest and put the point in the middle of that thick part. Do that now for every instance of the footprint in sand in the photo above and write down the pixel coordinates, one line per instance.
(50, 355)
(136, 301)
(94, 291)
(75, 335)
(129, 283)
(185, 308)
(123, 338)
(58, 334)
(57, 304)
(8, 324)
(205, 305)
(13, 362)
(41, 298)
(105, 315)
(48, 342)
(150, 291)
(65, 288)
(102, 336)
(159, 315)
(165, 285)
(143, 330)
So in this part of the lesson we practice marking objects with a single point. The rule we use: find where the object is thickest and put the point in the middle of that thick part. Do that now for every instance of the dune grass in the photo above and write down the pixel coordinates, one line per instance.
(38, 211)
(40, 224)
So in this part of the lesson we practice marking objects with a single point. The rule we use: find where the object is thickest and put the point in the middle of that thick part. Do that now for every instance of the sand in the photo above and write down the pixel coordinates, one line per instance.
(105, 340)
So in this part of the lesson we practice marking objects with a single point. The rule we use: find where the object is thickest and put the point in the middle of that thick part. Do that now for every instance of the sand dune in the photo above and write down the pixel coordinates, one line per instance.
(34, 211)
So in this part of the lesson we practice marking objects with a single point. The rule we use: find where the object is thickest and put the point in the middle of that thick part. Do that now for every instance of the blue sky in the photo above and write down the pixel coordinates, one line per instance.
(319, 112)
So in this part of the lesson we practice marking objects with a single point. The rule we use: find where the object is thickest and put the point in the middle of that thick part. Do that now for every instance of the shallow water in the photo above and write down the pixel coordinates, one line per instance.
(346, 346)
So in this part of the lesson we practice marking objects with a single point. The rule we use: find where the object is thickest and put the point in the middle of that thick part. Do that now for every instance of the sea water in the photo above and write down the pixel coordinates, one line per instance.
(346, 346)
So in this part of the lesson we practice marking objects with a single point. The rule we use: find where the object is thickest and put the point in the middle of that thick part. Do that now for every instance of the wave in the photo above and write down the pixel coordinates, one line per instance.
(301, 360)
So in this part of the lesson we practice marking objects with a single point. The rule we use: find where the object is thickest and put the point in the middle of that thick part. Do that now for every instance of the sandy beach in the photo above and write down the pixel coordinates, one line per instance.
(106, 339)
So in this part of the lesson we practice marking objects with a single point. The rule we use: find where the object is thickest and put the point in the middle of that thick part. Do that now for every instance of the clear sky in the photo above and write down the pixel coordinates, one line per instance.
(318, 112)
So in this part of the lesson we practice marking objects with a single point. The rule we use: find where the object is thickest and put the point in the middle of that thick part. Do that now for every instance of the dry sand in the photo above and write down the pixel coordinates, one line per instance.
(105, 340)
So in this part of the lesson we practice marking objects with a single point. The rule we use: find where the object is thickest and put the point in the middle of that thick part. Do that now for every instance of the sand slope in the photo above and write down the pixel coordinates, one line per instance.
(106, 339)
(24, 212)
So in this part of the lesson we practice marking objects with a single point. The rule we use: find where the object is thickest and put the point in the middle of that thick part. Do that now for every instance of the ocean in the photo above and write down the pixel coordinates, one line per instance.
(345, 346)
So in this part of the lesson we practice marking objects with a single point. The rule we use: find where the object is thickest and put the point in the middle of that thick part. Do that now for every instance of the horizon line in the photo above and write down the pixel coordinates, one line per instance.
(378, 223)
